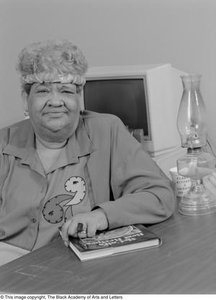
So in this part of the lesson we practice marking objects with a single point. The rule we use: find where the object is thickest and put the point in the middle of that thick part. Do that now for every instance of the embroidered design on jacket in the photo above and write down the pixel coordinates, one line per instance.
(59, 208)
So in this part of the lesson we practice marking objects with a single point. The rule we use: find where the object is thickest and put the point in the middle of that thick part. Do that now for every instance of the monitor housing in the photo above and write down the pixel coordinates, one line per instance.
(145, 97)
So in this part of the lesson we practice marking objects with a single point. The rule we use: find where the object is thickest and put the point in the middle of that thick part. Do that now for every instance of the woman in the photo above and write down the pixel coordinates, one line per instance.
(64, 166)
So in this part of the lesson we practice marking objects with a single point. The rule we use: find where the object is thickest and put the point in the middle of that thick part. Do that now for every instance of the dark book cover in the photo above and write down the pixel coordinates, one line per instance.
(109, 242)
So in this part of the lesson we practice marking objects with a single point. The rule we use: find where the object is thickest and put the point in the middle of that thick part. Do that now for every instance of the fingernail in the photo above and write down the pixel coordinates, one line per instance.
(66, 243)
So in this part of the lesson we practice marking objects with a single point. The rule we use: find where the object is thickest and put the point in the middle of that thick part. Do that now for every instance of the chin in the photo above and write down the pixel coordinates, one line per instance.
(56, 127)
(56, 130)
(59, 133)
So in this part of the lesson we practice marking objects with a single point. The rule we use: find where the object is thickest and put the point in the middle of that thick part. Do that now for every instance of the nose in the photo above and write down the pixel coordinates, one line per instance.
(55, 100)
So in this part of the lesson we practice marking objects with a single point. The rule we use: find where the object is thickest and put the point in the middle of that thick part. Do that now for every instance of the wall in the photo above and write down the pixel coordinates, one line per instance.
(181, 32)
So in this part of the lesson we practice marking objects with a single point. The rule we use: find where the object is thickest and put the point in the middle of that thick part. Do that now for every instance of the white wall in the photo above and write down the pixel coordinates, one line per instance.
(181, 32)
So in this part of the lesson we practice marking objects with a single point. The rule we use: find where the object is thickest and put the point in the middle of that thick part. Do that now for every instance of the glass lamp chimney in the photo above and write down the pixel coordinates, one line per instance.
(191, 120)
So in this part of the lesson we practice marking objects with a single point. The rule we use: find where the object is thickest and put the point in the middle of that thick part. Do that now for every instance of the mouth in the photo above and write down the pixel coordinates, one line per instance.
(55, 114)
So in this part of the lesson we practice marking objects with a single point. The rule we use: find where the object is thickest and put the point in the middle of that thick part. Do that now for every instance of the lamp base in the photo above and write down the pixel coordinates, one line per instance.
(197, 203)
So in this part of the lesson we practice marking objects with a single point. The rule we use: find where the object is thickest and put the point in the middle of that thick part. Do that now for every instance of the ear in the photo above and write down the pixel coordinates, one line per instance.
(25, 101)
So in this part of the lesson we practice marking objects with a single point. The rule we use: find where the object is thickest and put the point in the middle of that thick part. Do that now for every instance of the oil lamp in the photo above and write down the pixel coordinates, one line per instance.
(196, 163)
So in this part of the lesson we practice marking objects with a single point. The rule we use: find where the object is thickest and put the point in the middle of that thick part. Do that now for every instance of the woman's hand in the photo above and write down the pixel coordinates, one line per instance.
(209, 183)
(91, 222)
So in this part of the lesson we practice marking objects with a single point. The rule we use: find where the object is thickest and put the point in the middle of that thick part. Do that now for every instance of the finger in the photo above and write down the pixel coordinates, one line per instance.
(64, 231)
(80, 227)
(82, 230)
(69, 228)
(91, 230)
(87, 231)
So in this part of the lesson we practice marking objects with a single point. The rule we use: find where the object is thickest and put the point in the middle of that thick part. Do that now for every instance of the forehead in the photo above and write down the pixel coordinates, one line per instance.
(55, 85)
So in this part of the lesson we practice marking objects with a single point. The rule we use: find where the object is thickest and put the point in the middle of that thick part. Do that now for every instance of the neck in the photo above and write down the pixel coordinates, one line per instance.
(51, 145)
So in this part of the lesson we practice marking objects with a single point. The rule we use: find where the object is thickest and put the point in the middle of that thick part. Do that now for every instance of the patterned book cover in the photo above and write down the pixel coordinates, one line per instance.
(110, 242)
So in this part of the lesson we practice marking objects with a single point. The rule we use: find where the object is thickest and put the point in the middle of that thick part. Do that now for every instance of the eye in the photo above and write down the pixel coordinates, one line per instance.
(68, 92)
(41, 91)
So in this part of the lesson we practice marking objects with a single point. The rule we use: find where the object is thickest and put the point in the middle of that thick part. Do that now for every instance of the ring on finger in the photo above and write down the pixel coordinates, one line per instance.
(84, 231)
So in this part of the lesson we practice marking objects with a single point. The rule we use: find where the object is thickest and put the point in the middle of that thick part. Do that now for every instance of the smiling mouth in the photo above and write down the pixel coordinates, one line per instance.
(55, 113)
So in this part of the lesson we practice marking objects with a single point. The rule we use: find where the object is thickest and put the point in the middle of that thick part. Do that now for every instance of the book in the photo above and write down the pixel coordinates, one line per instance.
(116, 241)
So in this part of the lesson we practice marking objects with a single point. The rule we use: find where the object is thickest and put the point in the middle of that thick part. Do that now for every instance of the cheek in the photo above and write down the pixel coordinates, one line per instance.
(73, 105)
(35, 107)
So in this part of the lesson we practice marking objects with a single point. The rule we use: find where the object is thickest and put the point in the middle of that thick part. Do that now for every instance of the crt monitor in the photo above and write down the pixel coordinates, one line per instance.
(144, 97)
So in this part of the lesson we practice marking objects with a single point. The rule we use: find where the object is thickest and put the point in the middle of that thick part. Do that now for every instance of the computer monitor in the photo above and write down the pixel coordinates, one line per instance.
(144, 97)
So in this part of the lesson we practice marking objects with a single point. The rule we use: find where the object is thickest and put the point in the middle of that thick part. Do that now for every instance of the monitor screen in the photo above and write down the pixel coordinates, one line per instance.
(123, 97)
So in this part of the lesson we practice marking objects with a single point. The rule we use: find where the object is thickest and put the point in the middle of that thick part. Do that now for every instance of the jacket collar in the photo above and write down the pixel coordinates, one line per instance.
(22, 144)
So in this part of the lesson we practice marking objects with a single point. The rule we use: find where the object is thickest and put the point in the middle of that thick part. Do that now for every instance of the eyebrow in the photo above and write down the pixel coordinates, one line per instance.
(68, 86)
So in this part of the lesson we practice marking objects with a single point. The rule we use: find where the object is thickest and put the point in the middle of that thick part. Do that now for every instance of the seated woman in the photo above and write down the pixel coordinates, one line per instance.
(63, 166)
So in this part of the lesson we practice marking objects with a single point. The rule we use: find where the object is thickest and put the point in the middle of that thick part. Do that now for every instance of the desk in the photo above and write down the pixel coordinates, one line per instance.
(185, 263)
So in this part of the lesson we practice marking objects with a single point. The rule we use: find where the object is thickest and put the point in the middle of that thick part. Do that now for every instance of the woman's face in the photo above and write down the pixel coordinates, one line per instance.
(53, 110)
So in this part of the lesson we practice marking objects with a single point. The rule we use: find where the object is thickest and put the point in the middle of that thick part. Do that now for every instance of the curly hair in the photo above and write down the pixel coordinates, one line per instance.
(51, 57)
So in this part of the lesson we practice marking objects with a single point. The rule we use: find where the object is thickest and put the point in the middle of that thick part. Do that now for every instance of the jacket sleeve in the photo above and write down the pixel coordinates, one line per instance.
(142, 192)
